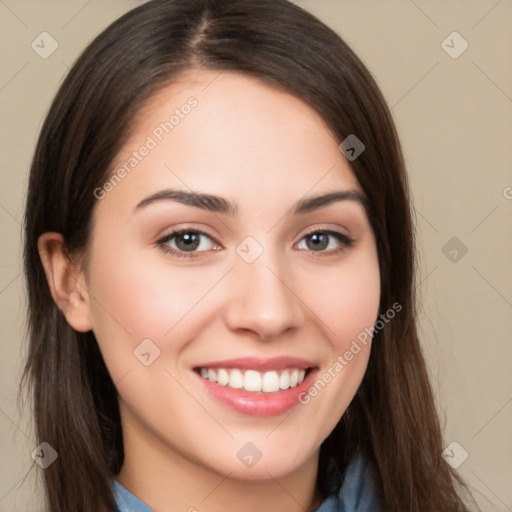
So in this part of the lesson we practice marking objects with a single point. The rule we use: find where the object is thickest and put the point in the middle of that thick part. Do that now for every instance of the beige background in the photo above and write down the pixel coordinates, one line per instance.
(455, 121)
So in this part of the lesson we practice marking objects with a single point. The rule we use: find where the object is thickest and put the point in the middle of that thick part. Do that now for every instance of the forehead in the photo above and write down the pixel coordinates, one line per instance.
(228, 133)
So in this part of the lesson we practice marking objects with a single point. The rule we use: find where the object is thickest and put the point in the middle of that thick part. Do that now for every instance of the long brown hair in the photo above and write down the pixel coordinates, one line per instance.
(392, 418)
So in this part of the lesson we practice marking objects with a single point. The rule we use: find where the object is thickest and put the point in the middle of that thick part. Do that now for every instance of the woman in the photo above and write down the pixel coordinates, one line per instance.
(220, 268)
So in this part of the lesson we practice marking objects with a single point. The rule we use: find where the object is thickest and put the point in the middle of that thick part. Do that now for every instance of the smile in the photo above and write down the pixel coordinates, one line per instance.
(253, 380)
(257, 387)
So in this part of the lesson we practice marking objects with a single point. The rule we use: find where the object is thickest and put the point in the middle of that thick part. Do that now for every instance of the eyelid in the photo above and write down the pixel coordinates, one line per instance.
(330, 230)
(316, 228)
(185, 229)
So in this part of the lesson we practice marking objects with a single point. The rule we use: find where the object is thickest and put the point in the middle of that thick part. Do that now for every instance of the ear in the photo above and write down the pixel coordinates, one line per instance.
(66, 281)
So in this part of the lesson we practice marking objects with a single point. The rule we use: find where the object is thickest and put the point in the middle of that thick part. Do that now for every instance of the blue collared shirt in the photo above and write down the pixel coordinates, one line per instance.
(357, 494)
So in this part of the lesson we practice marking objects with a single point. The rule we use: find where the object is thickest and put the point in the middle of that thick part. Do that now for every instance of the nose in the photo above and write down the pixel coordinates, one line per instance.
(262, 300)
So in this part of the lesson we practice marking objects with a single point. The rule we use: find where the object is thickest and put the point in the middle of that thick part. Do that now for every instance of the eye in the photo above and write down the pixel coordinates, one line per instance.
(326, 241)
(186, 242)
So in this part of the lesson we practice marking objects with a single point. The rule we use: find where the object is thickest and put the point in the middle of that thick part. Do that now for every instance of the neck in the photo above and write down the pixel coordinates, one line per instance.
(166, 480)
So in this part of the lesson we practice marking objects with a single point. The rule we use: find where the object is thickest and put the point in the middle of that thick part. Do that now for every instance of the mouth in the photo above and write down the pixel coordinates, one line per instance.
(257, 387)
(271, 381)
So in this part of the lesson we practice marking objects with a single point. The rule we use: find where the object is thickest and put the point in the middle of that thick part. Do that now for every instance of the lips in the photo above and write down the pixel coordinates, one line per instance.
(262, 387)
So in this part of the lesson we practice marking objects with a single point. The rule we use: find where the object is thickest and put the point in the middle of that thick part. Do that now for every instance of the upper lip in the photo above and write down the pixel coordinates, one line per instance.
(254, 363)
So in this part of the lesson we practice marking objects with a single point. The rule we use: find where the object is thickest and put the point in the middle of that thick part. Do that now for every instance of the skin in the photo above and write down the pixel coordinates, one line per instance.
(263, 149)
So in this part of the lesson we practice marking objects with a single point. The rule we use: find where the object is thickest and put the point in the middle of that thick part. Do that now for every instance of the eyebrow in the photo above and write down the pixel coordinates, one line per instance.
(217, 204)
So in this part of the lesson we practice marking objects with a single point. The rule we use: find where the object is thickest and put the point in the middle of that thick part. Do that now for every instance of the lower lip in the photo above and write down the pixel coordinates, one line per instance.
(259, 403)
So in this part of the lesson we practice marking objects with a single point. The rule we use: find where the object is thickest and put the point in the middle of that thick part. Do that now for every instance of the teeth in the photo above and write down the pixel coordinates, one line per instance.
(294, 377)
(236, 379)
(284, 380)
(223, 377)
(270, 382)
(252, 380)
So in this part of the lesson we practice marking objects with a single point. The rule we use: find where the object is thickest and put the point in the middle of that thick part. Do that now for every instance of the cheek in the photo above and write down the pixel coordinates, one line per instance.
(143, 293)
(350, 308)
(345, 298)
(134, 298)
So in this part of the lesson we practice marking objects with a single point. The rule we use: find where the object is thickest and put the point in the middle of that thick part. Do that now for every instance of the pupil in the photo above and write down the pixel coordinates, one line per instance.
(190, 241)
(320, 241)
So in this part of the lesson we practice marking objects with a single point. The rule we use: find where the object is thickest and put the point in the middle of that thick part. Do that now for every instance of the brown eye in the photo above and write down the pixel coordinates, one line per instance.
(317, 241)
(186, 242)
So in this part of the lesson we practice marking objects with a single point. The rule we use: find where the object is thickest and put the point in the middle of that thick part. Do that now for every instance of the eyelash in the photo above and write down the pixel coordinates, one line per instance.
(346, 242)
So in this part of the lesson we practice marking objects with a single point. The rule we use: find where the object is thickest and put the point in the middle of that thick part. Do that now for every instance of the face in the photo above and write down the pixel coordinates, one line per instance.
(224, 301)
